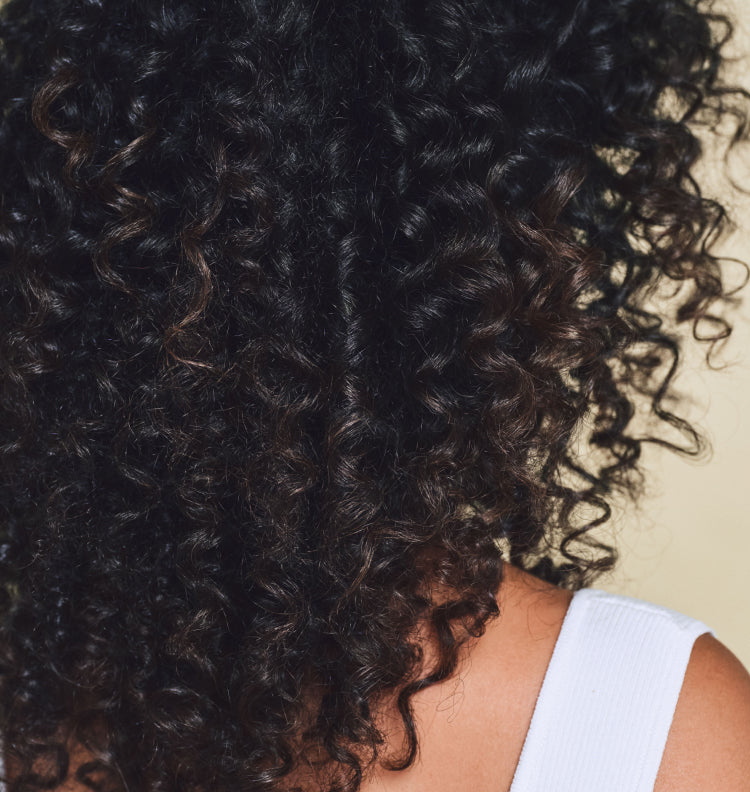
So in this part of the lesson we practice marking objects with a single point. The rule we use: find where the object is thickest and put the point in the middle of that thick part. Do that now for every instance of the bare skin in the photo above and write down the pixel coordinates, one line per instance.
(472, 727)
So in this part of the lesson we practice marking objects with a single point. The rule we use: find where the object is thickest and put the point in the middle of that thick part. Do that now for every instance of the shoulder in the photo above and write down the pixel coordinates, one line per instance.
(708, 746)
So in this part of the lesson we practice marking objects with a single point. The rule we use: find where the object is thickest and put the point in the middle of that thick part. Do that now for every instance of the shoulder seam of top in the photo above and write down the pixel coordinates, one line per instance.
(679, 619)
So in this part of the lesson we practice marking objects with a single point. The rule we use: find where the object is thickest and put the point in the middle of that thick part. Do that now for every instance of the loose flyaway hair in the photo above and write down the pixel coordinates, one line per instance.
(314, 314)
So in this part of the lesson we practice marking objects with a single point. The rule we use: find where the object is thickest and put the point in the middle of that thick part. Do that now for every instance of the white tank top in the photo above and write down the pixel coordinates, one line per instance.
(609, 694)
(605, 706)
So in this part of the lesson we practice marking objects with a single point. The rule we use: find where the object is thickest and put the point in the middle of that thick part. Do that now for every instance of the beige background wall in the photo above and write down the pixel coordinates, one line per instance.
(689, 548)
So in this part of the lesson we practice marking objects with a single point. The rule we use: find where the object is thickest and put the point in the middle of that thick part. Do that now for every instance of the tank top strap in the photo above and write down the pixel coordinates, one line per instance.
(608, 698)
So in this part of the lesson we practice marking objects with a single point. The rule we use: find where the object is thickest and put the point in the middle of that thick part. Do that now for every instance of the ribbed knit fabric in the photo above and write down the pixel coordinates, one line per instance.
(608, 698)
(609, 694)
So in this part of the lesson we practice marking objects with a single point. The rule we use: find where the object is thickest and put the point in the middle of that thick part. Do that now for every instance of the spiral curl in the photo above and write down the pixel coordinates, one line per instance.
(304, 306)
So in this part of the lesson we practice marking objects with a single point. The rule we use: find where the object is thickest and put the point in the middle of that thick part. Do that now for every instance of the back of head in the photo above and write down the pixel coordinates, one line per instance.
(313, 314)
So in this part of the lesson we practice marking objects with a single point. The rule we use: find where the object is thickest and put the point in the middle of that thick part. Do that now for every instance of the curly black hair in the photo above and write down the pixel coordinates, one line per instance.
(313, 316)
